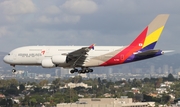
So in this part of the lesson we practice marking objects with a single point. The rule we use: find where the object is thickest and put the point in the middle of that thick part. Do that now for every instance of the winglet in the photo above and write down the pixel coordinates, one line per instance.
(92, 46)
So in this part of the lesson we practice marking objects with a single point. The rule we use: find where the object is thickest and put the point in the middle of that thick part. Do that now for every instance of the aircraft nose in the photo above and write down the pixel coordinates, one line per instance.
(6, 59)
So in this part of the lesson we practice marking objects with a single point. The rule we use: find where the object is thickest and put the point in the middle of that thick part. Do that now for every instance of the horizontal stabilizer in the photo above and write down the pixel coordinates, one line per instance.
(167, 51)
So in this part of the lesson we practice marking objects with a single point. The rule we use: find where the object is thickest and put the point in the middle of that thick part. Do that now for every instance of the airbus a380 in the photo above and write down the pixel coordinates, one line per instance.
(86, 57)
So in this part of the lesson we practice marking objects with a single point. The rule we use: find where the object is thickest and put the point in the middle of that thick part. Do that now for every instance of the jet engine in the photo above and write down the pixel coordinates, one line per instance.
(59, 59)
(47, 63)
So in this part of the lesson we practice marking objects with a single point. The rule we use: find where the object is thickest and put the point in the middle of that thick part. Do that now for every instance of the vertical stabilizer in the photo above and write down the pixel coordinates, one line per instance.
(150, 35)
(155, 29)
(143, 46)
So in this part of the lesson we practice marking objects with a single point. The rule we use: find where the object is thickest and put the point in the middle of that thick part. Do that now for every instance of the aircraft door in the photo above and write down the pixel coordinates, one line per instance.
(121, 57)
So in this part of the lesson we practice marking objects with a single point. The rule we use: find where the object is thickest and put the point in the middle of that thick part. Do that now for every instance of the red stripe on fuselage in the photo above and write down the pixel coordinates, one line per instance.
(135, 46)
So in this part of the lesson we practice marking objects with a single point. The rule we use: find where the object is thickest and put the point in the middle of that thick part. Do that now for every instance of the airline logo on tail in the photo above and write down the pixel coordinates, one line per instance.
(155, 29)
(150, 35)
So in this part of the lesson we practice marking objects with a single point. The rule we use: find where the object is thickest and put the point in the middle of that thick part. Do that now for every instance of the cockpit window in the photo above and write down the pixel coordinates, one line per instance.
(9, 54)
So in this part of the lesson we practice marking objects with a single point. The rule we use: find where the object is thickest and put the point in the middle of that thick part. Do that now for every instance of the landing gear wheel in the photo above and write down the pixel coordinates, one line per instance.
(80, 71)
(90, 70)
(83, 71)
(75, 70)
(13, 70)
(72, 71)
(86, 71)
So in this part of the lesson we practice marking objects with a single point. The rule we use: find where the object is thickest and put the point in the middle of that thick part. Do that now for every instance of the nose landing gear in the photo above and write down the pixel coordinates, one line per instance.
(13, 70)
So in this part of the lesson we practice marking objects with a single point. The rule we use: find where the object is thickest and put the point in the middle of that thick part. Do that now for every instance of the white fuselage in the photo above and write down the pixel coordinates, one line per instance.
(33, 55)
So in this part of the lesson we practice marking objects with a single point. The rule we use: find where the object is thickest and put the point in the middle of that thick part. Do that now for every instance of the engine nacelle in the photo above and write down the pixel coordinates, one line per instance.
(47, 63)
(59, 59)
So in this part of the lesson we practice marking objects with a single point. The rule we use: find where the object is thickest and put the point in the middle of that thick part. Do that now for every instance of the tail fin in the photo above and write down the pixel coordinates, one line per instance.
(150, 35)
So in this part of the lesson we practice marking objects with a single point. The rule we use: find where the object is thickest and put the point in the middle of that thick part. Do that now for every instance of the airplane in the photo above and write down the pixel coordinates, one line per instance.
(86, 57)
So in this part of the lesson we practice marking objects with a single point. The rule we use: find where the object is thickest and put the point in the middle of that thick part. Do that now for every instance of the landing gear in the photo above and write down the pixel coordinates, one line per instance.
(13, 70)
(90, 70)
(74, 70)
(83, 70)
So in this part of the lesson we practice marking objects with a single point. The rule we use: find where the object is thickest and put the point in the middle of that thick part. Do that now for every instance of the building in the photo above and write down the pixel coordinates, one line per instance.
(74, 85)
(161, 90)
(107, 102)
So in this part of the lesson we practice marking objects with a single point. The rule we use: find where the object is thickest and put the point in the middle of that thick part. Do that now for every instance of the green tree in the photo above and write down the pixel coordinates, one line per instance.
(56, 82)
(130, 95)
(37, 89)
(170, 77)
(136, 83)
(146, 80)
(38, 98)
(21, 87)
(77, 79)
(165, 98)
(43, 82)
(32, 101)
(147, 88)
(58, 98)
(158, 82)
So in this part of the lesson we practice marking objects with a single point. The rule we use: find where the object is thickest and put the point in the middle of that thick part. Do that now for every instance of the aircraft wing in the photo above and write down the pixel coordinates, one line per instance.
(78, 57)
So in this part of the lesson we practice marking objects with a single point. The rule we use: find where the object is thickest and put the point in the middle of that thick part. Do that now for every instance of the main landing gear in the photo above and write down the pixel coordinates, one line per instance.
(83, 70)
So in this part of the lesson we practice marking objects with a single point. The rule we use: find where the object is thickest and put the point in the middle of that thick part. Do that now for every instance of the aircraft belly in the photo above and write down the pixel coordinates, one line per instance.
(26, 61)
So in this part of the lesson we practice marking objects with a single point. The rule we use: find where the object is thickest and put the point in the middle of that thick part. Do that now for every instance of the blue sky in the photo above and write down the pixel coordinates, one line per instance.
(83, 22)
